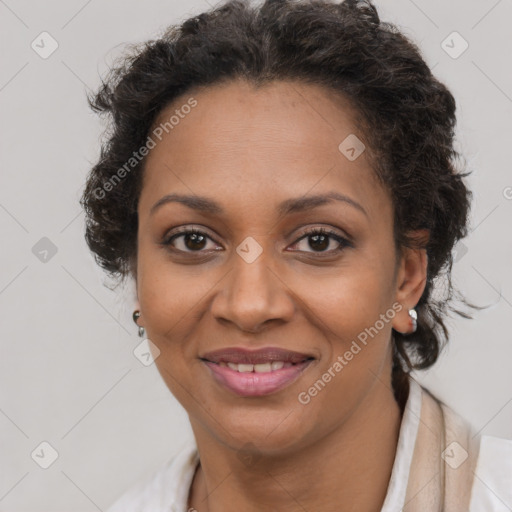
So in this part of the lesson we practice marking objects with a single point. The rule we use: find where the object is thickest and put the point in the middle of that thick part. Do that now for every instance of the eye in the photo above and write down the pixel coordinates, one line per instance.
(189, 240)
(321, 240)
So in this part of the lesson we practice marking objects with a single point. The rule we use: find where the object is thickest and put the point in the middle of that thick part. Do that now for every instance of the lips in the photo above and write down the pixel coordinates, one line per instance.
(256, 372)
(255, 357)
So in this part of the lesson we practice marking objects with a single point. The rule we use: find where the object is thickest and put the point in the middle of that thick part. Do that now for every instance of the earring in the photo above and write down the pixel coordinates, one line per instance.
(136, 315)
(414, 319)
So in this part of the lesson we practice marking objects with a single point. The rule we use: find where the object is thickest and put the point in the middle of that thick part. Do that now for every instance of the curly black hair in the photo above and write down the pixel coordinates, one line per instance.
(408, 115)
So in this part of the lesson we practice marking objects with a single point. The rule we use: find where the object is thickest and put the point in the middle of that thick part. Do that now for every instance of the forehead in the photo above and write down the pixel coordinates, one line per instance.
(276, 141)
(231, 112)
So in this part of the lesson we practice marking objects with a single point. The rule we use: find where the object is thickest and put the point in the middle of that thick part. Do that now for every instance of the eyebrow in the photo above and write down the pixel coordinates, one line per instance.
(294, 205)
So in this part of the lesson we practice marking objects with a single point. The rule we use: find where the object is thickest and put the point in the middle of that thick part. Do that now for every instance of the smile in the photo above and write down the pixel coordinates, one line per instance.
(256, 372)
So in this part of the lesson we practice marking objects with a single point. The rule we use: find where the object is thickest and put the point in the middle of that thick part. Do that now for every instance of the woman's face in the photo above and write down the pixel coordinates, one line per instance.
(253, 164)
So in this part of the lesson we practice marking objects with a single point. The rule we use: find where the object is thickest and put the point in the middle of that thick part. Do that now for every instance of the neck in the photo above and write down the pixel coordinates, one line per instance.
(352, 465)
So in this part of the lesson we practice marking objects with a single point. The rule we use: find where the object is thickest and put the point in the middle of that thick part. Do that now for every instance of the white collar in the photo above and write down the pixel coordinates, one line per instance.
(397, 487)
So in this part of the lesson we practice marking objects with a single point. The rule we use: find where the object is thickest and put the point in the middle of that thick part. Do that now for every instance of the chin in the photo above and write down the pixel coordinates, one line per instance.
(268, 432)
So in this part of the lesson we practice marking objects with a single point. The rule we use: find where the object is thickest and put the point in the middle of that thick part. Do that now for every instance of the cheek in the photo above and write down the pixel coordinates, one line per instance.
(174, 299)
(170, 296)
(353, 314)
(347, 300)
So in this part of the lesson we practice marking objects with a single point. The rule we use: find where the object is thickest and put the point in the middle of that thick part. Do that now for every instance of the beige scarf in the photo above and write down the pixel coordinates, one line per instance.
(443, 462)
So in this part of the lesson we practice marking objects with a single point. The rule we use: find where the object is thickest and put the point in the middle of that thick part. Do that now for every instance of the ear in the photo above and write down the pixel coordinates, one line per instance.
(140, 320)
(134, 286)
(411, 278)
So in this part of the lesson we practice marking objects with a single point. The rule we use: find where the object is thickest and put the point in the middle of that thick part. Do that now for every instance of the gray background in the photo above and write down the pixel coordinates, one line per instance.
(67, 372)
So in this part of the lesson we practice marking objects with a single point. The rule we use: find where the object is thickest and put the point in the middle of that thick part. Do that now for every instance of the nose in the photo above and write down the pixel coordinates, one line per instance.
(252, 295)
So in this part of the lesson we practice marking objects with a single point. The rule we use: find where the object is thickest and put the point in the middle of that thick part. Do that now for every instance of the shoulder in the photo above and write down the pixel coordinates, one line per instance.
(166, 489)
(490, 471)
(492, 486)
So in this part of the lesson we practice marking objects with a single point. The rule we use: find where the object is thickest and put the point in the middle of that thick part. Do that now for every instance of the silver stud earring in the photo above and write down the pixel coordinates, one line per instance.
(142, 331)
(414, 319)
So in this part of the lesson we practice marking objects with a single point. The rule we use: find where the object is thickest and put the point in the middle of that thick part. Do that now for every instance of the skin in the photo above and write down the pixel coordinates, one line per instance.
(250, 149)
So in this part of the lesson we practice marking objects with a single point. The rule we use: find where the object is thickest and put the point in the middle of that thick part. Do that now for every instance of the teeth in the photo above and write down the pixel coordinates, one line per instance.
(257, 368)
(262, 368)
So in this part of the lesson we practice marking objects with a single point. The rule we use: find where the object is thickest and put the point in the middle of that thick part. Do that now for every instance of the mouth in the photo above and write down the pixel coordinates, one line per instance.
(256, 372)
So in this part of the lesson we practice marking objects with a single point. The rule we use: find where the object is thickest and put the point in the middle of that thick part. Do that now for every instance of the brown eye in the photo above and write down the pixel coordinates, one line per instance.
(320, 240)
(190, 240)
(194, 241)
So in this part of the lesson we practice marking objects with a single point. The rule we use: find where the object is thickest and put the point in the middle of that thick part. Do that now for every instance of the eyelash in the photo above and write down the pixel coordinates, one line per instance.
(343, 242)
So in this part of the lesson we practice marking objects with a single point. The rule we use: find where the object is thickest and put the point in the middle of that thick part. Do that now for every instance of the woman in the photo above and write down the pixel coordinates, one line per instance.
(280, 182)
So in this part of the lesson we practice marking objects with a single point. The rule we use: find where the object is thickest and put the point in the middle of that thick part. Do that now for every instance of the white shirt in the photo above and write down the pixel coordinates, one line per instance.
(168, 488)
